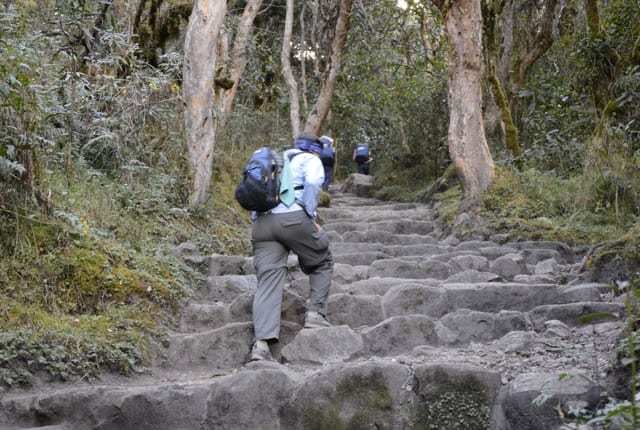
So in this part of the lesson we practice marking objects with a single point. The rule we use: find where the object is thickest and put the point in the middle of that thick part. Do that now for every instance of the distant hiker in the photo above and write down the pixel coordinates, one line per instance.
(362, 156)
(328, 158)
(291, 226)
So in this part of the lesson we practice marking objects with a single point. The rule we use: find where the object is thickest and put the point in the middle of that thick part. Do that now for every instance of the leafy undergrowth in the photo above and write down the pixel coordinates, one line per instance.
(91, 285)
(537, 206)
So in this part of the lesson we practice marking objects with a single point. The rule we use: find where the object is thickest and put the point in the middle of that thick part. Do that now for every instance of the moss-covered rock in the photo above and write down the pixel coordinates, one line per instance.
(454, 398)
(359, 401)
(324, 200)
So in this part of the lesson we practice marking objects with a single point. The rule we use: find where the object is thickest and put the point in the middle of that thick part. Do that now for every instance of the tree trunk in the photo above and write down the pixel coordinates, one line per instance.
(319, 113)
(506, 85)
(512, 141)
(593, 16)
(467, 143)
(541, 44)
(429, 45)
(303, 64)
(239, 53)
(285, 60)
(198, 85)
(498, 116)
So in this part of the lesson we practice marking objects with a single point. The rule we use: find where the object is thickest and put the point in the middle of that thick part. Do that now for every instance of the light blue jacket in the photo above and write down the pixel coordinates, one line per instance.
(306, 171)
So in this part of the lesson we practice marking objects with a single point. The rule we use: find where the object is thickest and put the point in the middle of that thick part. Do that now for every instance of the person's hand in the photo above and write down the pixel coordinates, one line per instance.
(318, 226)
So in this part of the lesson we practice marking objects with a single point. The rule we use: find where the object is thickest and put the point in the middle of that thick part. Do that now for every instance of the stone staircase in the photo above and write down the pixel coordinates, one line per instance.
(428, 332)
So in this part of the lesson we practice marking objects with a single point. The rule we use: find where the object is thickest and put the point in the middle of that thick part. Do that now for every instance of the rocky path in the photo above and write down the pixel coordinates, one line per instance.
(428, 332)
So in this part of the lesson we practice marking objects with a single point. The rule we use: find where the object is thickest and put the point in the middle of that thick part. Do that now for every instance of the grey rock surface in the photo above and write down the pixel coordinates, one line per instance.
(428, 331)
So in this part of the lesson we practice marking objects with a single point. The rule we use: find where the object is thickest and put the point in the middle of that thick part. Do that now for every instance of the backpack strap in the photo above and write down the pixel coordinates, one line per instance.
(293, 152)
(290, 155)
(287, 195)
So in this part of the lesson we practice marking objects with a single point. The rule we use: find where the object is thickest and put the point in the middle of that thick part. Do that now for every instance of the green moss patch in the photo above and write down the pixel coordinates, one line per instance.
(92, 287)
(77, 309)
(536, 206)
(359, 402)
(454, 403)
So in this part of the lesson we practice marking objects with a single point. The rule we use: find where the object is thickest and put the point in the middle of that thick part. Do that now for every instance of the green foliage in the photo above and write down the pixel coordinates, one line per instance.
(96, 198)
(555, 117)
(539, 205)
(534, 205)
(74, 302)
(447, 204)
(612, 153)
(628, 350)
(28, 353)
(21, 111)
(392, 95)
(604, 54)
(101, 271)
(586, 122)
(552, 128)
(618, 414)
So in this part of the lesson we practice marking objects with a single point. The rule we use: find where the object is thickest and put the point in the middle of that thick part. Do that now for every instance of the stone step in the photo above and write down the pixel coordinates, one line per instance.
(383, 237)
(362, 258)
(198, 316)
(228, 347)
(426, 330)
(395, 226)
(452, 389)
(236, 290)
(576, 314)
(227, 288)
(426, 248)
(375, 317)
(338, 248)
(382, 275)
(221, 349)
(368, 303)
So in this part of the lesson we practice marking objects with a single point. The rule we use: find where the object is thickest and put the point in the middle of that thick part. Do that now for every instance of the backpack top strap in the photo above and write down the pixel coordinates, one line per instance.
(287, 193)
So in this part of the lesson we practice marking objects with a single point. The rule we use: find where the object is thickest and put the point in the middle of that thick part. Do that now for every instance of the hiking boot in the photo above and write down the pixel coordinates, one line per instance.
(315, 320)
(260, 351)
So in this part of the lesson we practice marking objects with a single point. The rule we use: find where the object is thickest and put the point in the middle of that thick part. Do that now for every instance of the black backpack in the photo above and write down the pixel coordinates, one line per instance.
(259, 189)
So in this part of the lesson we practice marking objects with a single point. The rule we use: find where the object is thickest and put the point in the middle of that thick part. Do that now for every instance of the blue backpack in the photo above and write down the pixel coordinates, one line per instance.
(328, 154)
(361, 153)
(259, 190)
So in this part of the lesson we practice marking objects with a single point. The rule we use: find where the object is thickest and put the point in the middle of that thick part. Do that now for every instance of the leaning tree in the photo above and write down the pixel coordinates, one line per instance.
(334, 29)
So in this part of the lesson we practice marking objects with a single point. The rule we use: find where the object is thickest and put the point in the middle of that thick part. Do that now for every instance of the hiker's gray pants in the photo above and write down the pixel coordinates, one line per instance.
(273, 236)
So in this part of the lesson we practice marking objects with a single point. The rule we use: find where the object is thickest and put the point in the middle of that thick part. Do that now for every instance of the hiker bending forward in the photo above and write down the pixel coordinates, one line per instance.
(291, 228)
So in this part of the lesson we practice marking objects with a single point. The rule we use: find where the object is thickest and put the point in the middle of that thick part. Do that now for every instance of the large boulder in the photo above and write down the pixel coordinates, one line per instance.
(359, 184)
